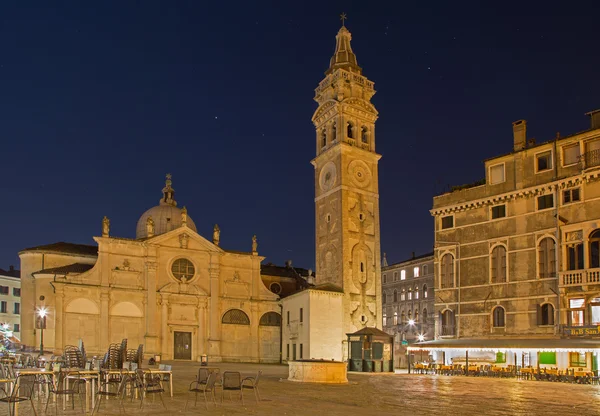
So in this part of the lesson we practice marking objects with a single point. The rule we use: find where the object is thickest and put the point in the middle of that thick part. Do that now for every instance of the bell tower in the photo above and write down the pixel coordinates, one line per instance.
(346, 187)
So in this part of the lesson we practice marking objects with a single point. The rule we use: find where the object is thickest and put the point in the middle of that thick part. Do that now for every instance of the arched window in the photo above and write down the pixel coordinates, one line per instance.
(498, 317)
(595, 249)
(395, 296)
(395, 318)
(403, 295)
(384, 298)
(410, 293)
(365, 134)
(424, 316)
(270, 319)
(236, 317)
(447, 321)
(424, 291)
(498, 266)
(334, 131)
(349, 130)
(384, 320)
(409, 314)
(447, 271)
(547, 258)
(416, 292)
(324, 137)
(403, 317)
(545, 314)
(384, 278)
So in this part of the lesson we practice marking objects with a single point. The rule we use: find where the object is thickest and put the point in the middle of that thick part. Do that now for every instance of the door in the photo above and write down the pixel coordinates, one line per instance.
(183, 345)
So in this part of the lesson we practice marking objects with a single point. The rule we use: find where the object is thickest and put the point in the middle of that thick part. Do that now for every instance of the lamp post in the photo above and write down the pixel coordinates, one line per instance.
(42, 312)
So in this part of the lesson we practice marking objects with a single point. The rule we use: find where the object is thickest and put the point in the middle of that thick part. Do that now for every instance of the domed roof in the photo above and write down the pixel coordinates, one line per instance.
(166, 215)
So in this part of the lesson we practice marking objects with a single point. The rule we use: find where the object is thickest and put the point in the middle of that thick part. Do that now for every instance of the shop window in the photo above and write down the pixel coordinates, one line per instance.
(577, 359)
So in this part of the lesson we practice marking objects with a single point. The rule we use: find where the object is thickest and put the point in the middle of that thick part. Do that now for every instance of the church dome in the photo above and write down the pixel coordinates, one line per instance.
(166, 216)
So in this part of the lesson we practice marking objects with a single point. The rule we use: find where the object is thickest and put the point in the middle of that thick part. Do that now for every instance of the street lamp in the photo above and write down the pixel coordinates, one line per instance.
(411, 322)
(421, 337)
(42, 312)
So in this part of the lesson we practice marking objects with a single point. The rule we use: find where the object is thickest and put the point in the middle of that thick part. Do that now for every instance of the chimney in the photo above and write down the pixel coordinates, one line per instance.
(519, 134)
(288, 263)
(413, 254)
(594, 118)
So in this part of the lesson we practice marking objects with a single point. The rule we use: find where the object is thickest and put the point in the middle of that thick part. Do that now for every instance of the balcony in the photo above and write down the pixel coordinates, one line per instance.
(580, 277)
(591, 158)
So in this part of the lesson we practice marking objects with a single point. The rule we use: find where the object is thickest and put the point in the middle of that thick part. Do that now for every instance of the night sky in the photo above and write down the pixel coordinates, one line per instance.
(98, 100)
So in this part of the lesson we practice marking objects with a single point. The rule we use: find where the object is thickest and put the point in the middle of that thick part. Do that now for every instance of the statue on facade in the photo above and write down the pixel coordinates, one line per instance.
(105, 226)
(216, 235)
(254, 244)
(150, 227)
(184, 216)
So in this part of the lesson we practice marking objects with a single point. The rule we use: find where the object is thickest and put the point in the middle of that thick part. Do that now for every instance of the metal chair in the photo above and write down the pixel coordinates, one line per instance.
(22, 391)
(232, 381)
(106, 390)
(147, 384)
(252, 383)
(68, 384)
(208, 386)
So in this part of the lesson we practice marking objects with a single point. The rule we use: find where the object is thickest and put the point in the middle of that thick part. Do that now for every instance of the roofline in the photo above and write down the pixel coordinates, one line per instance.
(62, 253)
(416, 259)
(2, 276)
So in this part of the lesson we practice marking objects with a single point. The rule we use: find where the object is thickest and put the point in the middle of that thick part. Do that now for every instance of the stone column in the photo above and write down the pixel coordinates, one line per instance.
(165, 327)
(104, 319)
(58, 320)
(254, 320)
(151, 308)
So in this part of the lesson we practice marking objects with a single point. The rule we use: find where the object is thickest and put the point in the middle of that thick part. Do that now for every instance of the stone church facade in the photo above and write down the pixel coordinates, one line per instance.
(170, 289)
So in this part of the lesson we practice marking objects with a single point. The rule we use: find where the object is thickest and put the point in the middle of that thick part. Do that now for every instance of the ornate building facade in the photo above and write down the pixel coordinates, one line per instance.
(347, 214)
(517, 264)
(170, 289)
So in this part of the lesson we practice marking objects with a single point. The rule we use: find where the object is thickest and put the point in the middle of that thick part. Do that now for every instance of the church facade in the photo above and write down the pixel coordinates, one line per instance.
(170, 289)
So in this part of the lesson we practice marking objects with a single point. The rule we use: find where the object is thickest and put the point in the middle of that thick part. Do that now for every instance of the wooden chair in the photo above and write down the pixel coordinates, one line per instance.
(208, 386)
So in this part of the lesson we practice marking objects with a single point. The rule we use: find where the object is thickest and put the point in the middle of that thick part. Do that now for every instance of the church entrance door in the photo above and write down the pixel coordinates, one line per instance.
(183, 345)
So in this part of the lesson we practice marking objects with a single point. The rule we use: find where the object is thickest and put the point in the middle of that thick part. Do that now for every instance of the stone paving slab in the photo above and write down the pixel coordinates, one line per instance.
(370, 394)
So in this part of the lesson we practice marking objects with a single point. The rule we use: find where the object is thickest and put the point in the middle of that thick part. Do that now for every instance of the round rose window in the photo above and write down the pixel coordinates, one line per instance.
(183, 268)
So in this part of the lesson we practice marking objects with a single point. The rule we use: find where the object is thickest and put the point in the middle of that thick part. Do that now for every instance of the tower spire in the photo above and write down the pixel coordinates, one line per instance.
(168, 192)
(343, 57)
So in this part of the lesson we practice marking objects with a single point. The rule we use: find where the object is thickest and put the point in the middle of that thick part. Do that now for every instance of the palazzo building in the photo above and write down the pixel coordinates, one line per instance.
(172, 290)
(10, 302)
(408, 303)
(348, 294)
(517, 256)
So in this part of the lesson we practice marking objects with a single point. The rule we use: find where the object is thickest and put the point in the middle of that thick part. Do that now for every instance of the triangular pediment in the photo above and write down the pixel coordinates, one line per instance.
(185, 238)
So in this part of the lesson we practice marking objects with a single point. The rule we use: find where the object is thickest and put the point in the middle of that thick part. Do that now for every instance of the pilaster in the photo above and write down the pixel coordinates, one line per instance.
(104, 318)
(151, 308)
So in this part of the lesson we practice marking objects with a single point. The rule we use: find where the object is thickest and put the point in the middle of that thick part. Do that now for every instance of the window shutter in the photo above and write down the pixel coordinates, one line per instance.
(551, 258)
(494, 265)
(539, 314)
(443, 274)
(503, 264)
(542, 259)
(451, 270)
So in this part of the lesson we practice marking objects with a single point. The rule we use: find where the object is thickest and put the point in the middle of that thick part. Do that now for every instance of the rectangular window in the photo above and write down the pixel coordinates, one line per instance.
(575, 257)
(416, 271)
(497, 174)
(287, 351)
(545, 201)
(17, 328)
(416, 294)
(301, 351)
(384, 320)
(402, 274)
(409, 295)
(577, 359)
(499, 211)
(3, 307)
(301, 315)
(17, 310)
(288, 317)
(571, 154)
(384, 278)
(571, 195)
(4, 290)
(425, 269)
(543, 161)
(447, 222)
(16, 291)
(395, 276)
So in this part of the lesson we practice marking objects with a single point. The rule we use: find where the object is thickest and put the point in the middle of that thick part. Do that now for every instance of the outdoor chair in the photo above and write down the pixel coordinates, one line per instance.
(22, 391)
(252, 383)
(67, 385)
(208, 386)
(107, 389)
(232, 381)
(147, 384)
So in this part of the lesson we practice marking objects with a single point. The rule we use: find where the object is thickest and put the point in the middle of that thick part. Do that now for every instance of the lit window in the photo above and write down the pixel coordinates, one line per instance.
(402, 274)
(384, 320)
(409, 294)
(571, 154)
(416, 272)
(577, 359)
(403, 295)
(496, 174)
(425, 291)
(395, 318)
(544, 161)
(576, 303)
(416, 293)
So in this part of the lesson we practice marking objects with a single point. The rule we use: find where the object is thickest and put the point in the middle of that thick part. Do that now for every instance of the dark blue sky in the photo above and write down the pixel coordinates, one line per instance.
(98, 100)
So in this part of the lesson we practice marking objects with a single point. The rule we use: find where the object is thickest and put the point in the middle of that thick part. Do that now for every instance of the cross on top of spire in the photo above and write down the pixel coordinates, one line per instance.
(343, 18)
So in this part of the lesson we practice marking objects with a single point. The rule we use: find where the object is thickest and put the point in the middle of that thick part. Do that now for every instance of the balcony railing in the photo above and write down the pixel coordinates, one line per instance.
(580, 277)
(591, 158)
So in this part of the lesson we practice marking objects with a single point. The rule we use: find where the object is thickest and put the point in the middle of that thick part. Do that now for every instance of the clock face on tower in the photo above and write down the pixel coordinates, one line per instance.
(327, 176)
